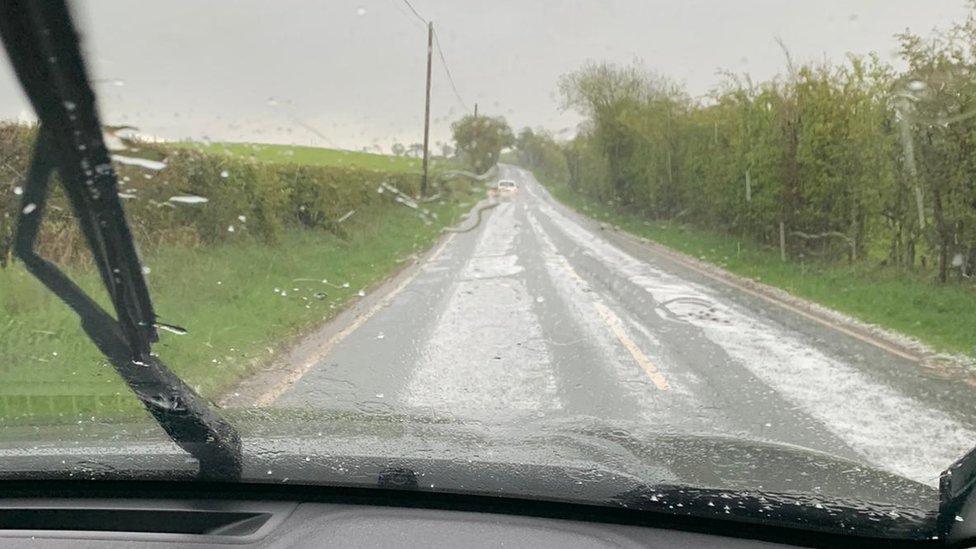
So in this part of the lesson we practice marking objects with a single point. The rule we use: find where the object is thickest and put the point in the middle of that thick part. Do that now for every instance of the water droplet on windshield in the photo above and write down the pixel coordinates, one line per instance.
(146, 270)
(188, 199)
(138, 161)
(171, 329)
(70, 105)
(360, 11)
(230, 228)
(18, 190)
(242, 219)
(29, 208)
(917, 85)
(225, 174)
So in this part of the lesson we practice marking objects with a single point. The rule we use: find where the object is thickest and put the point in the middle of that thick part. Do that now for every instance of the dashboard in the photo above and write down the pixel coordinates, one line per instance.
(110, 523)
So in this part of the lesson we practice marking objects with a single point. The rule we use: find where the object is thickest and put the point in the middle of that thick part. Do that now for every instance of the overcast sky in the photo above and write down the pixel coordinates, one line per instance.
(353, 71)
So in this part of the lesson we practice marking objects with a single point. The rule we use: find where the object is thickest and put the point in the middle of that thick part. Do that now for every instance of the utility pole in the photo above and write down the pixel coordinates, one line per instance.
(430, 50)
(476, 110)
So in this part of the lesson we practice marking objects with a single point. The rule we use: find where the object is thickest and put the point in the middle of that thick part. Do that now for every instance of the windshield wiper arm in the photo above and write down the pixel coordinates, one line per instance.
(43, 47)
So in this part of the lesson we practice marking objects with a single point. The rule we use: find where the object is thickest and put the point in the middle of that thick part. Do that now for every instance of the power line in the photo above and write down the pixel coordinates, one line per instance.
(409, 5)
(447, 69)
(403, 11)
(440, 54)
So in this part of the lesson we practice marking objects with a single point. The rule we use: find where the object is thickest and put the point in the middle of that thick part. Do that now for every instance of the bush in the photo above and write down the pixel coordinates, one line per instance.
(855, 160)
(245, 198)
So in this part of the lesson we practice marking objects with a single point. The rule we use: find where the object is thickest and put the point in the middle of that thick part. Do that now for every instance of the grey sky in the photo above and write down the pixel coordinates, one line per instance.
(246, 70)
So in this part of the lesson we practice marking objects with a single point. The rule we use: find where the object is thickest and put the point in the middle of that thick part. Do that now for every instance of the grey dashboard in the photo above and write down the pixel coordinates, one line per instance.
(89, 523)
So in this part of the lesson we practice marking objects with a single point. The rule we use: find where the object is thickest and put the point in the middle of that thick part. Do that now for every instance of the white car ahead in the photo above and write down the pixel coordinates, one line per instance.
(507, 187)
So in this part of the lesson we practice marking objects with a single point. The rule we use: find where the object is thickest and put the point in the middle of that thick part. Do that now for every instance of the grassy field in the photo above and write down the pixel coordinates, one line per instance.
(310, 156)
(942, 316)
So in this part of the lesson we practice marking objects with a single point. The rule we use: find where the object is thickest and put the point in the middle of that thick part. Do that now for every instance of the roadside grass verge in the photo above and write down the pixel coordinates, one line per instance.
(941, 316)
(242, 302)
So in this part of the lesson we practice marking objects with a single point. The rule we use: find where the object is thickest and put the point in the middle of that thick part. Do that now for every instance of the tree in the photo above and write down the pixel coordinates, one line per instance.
(398, 149)
(631, 113)
(415, 150)
(479, 140)
(853, 160)
(940, 84)
(538, 151)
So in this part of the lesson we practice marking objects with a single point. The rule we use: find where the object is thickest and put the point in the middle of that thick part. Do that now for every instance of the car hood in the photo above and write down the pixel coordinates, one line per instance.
(570, 459)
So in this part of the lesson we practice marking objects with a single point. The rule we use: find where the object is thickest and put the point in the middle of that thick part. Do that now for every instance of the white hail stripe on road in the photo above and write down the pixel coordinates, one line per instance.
(888, 428)
(492, 266)
(597, 319)
(492, 259)
(486, 351)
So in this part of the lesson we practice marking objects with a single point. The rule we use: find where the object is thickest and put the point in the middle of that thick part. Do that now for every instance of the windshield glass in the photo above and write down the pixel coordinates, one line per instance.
(739, 258)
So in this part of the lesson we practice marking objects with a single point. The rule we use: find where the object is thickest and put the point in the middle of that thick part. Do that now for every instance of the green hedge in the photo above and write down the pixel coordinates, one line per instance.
(245, 198)
(859, 160)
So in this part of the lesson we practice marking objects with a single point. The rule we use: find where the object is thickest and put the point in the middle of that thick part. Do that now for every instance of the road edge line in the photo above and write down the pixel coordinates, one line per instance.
(316, 355)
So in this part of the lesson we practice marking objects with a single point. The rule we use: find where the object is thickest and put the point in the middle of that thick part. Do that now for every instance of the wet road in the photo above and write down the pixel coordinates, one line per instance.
(538, 312)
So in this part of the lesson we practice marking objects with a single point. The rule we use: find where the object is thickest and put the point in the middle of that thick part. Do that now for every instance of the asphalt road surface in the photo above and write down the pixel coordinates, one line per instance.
(539, 312)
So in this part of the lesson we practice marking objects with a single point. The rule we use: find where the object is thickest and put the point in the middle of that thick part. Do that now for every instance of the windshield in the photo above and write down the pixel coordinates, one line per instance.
(739, 260)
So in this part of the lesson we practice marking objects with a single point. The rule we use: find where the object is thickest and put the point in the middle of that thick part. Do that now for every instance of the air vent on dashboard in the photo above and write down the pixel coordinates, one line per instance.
(155, 521)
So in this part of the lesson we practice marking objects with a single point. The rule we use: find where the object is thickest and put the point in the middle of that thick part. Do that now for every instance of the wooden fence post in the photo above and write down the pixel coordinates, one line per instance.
(782, 241)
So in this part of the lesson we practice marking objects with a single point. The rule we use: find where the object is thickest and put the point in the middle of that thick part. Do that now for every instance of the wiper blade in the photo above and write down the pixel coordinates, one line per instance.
(43, 47)
(957, 500)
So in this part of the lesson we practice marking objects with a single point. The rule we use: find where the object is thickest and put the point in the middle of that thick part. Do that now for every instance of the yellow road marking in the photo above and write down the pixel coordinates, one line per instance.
(314, 358)
(617, 327)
